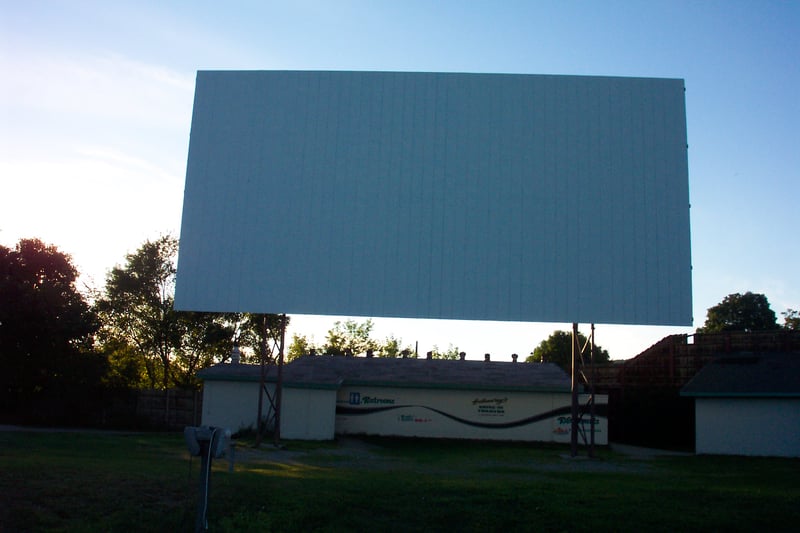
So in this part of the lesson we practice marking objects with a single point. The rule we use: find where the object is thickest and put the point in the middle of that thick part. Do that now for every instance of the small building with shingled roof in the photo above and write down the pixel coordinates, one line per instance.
(325, 396)
(748, 404)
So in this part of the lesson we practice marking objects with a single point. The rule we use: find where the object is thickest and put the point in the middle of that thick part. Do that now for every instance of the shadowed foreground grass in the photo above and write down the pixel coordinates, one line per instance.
(145, 482)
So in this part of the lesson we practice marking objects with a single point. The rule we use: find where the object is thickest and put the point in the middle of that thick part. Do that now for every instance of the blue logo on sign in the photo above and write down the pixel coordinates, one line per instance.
(355, 398)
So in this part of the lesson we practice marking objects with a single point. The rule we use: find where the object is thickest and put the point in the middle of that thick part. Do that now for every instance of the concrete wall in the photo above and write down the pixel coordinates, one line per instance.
(314, 414)
(748, 426)
(308, 414)
(440, 413)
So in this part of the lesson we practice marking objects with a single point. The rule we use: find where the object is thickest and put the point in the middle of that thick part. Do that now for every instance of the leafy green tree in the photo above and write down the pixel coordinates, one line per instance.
(46, 326)
(740, 312)
(137, 315)
(393, 347)
(136, 308)
(350, 337)
(300, 346)
(791, 319)
(452, 353)
(257, 332)
(205, 339)
(126, 368)
(557, 348)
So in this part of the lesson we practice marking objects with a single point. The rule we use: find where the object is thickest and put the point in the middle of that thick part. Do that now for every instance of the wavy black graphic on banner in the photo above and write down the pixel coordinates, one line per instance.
(566, 410)
(344, 410)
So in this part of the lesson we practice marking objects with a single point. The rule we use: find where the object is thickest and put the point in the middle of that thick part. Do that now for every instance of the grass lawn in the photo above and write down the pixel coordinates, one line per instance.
(75, 481)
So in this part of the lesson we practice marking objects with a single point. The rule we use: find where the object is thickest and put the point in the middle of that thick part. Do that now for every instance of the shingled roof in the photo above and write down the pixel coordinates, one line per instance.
(334, 372)
(748, 375)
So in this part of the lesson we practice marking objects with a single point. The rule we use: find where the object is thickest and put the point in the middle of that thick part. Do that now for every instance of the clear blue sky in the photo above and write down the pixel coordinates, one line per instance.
(96, 100)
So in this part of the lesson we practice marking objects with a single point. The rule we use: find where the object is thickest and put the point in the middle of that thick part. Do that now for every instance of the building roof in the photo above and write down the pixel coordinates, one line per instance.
(333, 372)
(748, 375)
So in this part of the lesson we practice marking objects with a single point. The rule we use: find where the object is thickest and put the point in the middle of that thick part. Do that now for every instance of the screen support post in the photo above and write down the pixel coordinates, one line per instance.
(577, 376)
(573, 434)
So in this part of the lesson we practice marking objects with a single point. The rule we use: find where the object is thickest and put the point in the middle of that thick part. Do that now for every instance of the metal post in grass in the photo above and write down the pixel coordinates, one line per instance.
(207, 442)
(200, 522)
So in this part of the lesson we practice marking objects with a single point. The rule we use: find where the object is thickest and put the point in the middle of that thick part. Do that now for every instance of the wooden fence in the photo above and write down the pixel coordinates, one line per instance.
(645, 406)
(171, 409)
(674, 360)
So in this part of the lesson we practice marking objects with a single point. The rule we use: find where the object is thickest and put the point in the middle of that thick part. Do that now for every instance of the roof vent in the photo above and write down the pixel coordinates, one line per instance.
(429, 356)
(514, 357)
(462, 355)
(487, 357)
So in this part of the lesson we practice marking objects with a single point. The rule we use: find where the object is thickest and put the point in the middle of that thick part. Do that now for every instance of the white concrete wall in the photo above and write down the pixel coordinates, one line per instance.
(562, 424)
(748, 426)
(311, 414)
(232, 404)
(440, 413)
(308, 414)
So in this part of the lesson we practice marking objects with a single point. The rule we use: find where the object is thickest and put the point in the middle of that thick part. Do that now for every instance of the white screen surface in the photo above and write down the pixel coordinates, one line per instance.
(438, 195)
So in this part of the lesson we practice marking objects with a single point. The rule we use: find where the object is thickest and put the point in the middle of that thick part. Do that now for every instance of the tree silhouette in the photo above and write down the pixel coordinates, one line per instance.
(557, 348)
(46, 326)
(740, 312)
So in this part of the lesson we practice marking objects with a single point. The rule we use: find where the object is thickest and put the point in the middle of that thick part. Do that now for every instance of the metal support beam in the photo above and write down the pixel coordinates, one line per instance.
(578, 376)
(592, 381)
(263, 379)
(574, 388)
(279, 385)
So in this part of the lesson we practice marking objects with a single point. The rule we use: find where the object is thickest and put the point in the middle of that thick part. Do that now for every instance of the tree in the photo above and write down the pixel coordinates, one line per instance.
(136, 309)
(137, 314)
(452, 353)
(740, 312)
(299, 347)
(257, 332)
(126, 369)
(46, 326)
(791, 319)
(205, 338)
(393, 347)
(350, 337)
(557, 348)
